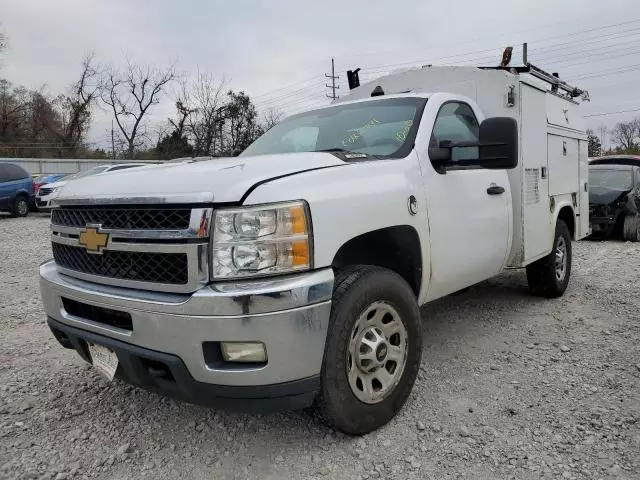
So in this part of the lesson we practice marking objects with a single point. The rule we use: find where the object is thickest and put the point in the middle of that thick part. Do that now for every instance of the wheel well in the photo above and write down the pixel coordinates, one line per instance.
(396, 248)
(566, 215)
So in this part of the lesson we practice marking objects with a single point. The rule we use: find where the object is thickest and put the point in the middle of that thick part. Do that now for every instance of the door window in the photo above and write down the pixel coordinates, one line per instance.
(10, 172)
(456, 122)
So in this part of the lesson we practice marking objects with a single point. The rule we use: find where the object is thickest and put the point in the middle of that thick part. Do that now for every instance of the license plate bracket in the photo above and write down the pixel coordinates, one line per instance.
(104, 360)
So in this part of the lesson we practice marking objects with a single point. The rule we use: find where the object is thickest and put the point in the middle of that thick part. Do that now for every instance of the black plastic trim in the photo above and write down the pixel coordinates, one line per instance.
(167, 374)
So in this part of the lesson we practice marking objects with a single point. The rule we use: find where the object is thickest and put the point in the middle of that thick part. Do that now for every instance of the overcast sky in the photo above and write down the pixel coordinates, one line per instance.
(278, 51)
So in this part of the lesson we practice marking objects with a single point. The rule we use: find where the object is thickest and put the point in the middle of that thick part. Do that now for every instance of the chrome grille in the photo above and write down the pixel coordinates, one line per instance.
(169, 268)
(157, 248)
(124, 218)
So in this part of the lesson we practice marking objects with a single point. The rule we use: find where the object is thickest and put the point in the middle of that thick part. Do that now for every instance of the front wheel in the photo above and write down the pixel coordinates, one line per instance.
(549, 276)
(20, 207)
(373, 350)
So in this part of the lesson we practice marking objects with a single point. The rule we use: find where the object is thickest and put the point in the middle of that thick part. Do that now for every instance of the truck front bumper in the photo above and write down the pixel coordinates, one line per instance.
(171, 343)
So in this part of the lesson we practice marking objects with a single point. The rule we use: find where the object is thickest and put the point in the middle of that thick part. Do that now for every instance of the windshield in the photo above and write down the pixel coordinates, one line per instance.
(377, 127)
(611, 179)
(86, 173)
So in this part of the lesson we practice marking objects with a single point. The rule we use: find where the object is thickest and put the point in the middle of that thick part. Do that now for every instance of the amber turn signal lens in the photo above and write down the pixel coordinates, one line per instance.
(298, 220)
(300, 253)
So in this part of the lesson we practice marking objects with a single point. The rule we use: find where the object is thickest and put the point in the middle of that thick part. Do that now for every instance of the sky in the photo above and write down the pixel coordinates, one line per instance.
(278, 52)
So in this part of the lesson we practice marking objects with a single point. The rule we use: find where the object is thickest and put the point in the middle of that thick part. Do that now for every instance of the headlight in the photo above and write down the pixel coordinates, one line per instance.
(263, 240)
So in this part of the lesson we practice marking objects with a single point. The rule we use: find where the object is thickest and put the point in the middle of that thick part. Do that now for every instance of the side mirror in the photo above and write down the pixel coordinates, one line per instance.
(499, 143)
(440, 153)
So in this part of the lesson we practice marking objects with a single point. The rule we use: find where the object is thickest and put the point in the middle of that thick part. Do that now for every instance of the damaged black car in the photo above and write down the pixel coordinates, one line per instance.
(614, 197)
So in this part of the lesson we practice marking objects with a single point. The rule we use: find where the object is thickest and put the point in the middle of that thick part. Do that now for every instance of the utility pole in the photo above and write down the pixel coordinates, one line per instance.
(333, 78)
(113, 143)
(603, 133)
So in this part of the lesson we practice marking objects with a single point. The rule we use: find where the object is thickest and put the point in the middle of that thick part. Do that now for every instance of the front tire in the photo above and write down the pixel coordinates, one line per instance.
(549, 276)
(373, 350)
(631, 229)
(20, 207)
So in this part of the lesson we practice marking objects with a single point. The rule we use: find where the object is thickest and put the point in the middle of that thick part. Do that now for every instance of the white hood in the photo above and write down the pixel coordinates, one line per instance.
(215, 180)
(60, 183)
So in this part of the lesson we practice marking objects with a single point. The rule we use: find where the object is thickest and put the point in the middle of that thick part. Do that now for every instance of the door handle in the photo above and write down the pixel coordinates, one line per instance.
(495, 189)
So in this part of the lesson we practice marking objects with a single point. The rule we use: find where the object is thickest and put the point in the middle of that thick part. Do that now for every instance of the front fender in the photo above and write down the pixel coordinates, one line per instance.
(353, 200)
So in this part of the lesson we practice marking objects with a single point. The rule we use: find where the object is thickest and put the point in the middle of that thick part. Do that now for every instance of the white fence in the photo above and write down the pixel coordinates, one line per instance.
(63, 165)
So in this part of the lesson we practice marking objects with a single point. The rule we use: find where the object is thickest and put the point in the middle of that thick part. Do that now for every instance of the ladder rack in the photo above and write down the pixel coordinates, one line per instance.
(551, 78)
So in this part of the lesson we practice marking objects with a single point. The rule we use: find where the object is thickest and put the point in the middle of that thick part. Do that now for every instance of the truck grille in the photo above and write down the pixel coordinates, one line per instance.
(123, 218)
(166, 268)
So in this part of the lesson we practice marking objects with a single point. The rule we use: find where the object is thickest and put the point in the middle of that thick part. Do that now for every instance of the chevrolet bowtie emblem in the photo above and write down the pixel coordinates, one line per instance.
(93, 240)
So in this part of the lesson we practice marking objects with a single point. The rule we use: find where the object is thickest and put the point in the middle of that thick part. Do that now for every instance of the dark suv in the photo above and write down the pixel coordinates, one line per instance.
(16, 190)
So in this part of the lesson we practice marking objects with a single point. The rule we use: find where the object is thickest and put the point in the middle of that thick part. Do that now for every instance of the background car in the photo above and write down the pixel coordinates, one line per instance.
(16, 189)
(47, 193)
(46, 178)
(614, 196)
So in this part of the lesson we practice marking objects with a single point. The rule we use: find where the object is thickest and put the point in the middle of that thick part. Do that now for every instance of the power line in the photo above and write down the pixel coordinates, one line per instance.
(612, 113)
(580, 32)
(604, 73)
(289, 95)
(285, 87)
(475, 39)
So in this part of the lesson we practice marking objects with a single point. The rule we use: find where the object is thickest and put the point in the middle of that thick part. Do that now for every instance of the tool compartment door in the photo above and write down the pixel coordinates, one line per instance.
(583, 229)
(535, 191)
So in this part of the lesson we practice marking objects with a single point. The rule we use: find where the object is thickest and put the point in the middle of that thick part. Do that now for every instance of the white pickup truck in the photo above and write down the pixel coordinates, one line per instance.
(292, 275)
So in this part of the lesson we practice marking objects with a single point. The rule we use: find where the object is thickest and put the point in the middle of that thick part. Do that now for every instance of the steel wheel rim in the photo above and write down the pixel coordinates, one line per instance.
(377, 353)
(561, 259)
(22, 207)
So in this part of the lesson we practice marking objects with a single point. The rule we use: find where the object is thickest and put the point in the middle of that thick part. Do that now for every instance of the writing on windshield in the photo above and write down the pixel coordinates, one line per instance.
(381, 128)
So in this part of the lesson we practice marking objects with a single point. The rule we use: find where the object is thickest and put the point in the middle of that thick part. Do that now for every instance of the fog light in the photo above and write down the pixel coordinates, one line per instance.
(253, 352)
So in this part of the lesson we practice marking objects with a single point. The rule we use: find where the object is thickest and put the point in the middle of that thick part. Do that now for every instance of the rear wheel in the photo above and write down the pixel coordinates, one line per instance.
(20, 207)
(373, 350)
(549, 276)
(631, 229)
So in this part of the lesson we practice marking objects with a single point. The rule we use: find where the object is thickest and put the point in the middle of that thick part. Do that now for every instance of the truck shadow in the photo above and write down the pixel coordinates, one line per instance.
(451, 322)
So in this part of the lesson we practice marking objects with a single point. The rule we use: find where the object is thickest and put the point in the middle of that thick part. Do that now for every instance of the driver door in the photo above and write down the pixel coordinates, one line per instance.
(469, 207)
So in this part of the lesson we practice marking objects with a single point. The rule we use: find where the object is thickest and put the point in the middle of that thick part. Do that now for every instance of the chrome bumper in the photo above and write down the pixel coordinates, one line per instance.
(290, 315)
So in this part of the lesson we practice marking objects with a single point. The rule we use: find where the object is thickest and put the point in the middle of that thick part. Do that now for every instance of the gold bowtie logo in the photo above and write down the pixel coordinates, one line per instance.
(93, 240)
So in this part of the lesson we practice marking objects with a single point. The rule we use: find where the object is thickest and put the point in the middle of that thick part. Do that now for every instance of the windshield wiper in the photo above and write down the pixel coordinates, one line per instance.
(347, 153)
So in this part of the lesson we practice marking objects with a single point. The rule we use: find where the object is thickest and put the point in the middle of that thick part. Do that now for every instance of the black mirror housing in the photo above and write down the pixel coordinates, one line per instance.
(499, 143)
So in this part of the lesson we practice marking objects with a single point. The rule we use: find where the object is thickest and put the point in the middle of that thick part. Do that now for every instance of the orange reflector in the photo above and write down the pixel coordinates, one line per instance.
(300, 253)
(298, 220)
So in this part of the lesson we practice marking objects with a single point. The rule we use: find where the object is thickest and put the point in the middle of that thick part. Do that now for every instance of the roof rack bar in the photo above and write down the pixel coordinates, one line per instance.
(555, 82)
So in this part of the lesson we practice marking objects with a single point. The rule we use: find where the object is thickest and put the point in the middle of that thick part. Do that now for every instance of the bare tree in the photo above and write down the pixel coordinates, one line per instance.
(76, 107)
(130, 94)
(625, 134)
(204, 99)
(271, 118)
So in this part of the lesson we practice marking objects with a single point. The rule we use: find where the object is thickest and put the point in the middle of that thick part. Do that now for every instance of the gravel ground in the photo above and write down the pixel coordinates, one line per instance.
(511, 386)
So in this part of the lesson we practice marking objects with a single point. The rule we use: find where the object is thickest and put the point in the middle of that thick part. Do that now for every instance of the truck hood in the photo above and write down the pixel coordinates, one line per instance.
(195, 181)
(605, 196)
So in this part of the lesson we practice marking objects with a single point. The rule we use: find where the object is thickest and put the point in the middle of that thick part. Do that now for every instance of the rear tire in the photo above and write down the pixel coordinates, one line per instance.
(631, 229)
(374, 321)
(549, 276)
(20, 207)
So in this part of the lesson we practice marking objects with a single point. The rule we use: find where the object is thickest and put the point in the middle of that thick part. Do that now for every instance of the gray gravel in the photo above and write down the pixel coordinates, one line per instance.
(511, 386)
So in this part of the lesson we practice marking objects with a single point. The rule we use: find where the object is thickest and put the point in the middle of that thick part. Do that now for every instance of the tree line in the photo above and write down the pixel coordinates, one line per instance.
(624, 137)
(210, 118)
